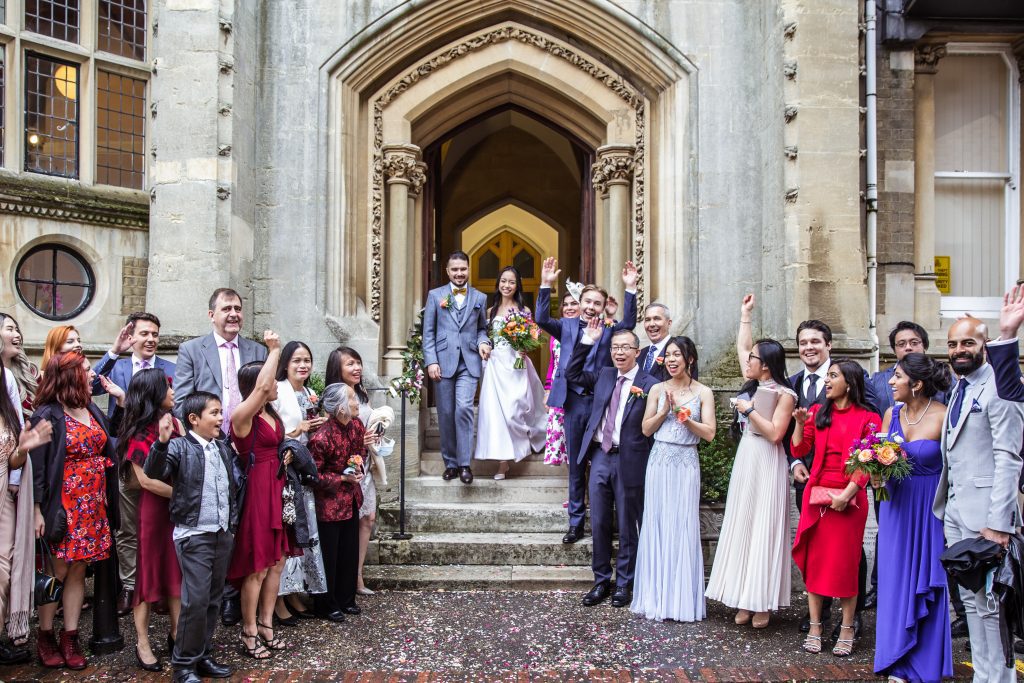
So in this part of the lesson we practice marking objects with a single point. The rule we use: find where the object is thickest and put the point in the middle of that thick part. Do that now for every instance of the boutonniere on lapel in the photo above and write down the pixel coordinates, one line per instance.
(609, 322)
(636, 392)
(659, 360)
(975, 406)
(446, 302)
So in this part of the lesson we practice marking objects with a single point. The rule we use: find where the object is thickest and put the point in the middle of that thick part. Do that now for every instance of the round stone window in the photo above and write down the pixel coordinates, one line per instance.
(55, 281)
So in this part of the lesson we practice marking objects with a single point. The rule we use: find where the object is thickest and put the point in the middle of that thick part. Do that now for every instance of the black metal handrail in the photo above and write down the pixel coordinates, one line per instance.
(401, 534)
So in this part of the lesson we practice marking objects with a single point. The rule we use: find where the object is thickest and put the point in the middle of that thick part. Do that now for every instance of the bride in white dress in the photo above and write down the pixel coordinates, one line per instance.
(512, 417)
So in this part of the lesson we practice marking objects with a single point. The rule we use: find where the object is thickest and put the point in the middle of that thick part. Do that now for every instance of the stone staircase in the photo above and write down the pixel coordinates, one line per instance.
(488, 535)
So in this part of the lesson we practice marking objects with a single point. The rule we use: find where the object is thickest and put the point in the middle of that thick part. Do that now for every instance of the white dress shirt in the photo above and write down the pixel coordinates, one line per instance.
(221, 341)
(460, 299)
(623, 400)
(137, 363)
(821, 372)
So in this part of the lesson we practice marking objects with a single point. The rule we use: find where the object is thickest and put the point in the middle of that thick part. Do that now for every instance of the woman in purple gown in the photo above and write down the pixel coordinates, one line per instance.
(912, 640)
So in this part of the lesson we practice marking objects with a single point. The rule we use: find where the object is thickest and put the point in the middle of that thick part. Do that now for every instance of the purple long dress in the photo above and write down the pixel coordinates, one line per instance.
(912, 629)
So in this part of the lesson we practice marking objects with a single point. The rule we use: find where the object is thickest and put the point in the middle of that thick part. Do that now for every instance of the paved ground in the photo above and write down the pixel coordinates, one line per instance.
(513, 636)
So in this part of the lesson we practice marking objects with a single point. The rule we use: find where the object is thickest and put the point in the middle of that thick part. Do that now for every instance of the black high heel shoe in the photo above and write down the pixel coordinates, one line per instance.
(155, 666)
(290, 620)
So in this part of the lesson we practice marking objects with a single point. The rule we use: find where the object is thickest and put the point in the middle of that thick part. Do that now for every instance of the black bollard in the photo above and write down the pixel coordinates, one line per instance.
(106, 632)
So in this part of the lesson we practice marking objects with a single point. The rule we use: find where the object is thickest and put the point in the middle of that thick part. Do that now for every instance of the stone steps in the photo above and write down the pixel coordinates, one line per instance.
(501, 548)
(477, 517)
(433, 489)
(478, 577)
(431, 463)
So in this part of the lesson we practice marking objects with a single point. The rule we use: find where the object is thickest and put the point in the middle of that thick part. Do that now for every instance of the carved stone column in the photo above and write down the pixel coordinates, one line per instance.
(402, 171)
(614, 171)
(927, 299)
(418, 178)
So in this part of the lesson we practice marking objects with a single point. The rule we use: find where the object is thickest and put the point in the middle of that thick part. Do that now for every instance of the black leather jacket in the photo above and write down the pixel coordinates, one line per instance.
(181, 463)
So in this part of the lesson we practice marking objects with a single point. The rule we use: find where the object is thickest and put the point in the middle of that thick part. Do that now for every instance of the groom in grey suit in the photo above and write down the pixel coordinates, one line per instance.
(454, 343)
(977, 494)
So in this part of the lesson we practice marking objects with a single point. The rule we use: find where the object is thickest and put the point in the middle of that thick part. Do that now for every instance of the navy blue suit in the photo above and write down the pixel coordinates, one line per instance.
(616, 478)
(574, 398)
(657, 370)
(1005, 364)
(120, 373)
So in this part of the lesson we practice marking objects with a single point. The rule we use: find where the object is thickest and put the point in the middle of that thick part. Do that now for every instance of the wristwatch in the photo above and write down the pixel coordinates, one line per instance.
(748, 411)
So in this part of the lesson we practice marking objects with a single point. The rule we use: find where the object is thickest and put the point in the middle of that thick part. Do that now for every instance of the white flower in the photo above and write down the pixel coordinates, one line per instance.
(897, 438)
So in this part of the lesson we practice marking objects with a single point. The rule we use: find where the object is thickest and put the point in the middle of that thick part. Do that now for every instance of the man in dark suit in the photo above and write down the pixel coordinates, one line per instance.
(141, 335)
(618, 451)
(576, 399)
(657, 323)
(211, 364)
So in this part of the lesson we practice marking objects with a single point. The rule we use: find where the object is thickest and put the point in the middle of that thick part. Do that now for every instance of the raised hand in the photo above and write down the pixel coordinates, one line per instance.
(800, 415)
(166, 427)
(125, 339)
(35, 436)
(549, 272)
(630, 276)
(271, 339)
(1011, 315)
(109, 386)
(747, 307)
(594, 329)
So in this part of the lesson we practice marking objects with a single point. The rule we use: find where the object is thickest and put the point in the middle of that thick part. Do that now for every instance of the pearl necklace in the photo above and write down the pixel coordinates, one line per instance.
(923, 413)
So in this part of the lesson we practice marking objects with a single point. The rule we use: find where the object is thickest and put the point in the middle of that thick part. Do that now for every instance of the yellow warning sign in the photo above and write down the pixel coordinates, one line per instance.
(942, 274)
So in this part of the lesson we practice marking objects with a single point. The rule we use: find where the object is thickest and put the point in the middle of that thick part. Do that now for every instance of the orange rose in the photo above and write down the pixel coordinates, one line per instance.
(865, 455)
(887, 456)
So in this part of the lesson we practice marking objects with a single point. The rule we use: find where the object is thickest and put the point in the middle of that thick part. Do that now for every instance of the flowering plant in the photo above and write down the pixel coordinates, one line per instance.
(521, 333)
(410, 382)
(446, 302)
(354, 465)
(881, 457)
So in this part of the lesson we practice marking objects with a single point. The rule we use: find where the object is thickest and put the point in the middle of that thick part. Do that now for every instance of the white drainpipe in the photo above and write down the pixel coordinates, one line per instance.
(872, 178)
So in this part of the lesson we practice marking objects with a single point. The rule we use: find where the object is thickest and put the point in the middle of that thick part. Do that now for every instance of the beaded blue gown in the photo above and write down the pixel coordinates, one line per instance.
(912, 629)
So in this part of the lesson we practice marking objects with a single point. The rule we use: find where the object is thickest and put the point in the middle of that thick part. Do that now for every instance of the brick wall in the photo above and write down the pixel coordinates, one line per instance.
(133, 286)
(895, 167)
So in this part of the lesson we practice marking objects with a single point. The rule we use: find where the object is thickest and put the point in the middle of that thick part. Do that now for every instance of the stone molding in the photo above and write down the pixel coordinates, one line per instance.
(81, 206)
(926, 57)
(400, 164)
(453, 52)
(615, 165)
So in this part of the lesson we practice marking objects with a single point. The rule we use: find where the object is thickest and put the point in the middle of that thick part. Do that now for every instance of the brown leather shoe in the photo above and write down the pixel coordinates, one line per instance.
(124, 602)
(73, 657)
(49, 653)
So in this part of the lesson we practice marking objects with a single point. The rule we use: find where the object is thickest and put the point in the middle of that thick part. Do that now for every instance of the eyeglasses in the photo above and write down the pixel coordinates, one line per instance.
(624, 347)
(753, 357)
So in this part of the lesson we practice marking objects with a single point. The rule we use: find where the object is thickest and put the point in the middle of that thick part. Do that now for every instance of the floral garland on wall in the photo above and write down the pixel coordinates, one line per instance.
(410, 382)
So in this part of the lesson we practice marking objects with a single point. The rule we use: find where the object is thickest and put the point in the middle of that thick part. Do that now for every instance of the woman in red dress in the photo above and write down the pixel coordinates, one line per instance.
(158, 576)
(828, 541)
(262, 542)
(75, 486)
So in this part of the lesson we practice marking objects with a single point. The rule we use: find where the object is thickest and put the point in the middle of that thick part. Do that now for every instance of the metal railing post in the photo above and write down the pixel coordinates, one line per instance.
(401, 535)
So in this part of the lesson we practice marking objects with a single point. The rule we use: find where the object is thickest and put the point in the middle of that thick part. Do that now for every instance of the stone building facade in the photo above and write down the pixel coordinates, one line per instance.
(324, 156)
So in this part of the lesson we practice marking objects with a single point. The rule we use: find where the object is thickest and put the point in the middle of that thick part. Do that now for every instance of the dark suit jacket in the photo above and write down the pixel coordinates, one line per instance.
(198, 367)
(634, 447)
(120, 373)
(658, 370)
(567, 331)
(1004, 361)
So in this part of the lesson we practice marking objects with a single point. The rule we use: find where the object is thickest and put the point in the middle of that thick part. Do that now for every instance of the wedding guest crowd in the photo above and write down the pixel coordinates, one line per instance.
(228, 488)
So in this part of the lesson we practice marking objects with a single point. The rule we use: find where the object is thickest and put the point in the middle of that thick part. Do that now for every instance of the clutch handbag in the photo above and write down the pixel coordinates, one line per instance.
(48, 588)
(820, 496)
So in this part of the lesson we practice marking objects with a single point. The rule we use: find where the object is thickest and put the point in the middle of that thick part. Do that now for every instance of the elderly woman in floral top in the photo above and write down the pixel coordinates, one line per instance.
(338, 498)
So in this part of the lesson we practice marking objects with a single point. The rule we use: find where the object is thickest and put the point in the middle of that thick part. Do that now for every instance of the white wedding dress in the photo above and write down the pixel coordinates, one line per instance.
(512, 417)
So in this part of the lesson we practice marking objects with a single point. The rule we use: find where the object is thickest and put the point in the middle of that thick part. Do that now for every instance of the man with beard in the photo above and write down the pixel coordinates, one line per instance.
(977, 493)
(657, 322)
(211, 364)
(141, 334)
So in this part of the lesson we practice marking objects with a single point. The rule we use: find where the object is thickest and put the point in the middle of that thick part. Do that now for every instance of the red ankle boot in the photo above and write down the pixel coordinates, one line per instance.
(73, 657)
(46, 647)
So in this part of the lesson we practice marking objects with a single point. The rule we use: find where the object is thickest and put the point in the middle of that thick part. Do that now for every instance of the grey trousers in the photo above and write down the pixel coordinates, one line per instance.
(204, 561)
(126, 537)
(982, 614)
(455, 416)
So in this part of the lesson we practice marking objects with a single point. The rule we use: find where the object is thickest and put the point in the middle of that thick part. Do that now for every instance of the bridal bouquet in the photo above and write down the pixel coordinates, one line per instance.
(354, 465)
(521, 333)
(882, 457)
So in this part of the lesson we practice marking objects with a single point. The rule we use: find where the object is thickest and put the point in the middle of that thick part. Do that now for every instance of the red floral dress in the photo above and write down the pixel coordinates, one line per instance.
(84, 493)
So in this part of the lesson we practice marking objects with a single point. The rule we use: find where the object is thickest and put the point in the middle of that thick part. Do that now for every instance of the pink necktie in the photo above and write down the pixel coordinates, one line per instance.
(231, 385)
(609, 420)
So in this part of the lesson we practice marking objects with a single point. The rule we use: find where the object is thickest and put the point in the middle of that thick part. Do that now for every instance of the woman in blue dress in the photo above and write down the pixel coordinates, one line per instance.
(912, 641)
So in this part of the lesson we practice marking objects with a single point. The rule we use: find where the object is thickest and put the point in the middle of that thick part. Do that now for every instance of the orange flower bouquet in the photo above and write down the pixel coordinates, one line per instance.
(521, 333)
(883, 458)
(354, 465)
(682, 414)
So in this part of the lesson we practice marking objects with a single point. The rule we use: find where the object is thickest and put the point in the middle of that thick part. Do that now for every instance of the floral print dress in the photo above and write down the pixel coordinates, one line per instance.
(555, 452)
(84, 493)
